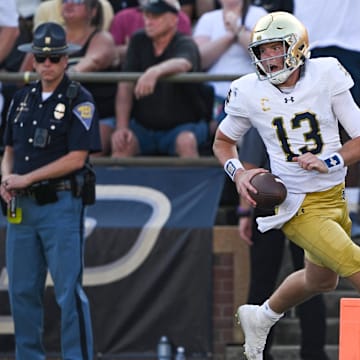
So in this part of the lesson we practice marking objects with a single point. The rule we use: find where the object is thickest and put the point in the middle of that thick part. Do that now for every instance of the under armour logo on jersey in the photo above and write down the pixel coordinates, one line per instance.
(289, 99)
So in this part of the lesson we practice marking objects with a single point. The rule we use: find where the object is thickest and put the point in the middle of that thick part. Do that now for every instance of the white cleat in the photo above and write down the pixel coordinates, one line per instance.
(255, 328)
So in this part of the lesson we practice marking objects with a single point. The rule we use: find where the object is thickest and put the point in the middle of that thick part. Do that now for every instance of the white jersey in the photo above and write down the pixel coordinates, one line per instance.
(293, 123)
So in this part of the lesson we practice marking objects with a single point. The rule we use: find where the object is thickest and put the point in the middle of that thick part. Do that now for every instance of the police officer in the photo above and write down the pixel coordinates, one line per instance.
(51, 128)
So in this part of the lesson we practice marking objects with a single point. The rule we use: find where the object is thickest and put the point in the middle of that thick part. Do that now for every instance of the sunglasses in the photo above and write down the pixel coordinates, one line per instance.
(55, 59)
(77, 2)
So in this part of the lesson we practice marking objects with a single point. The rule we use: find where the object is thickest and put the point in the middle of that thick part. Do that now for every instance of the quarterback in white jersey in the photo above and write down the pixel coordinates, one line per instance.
(296, 104)
(290, 124)
(303, 120)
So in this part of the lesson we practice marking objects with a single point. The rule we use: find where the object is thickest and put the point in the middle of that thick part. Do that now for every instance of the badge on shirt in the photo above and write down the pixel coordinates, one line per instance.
(85, 113)
(22, 107)
(59, 111)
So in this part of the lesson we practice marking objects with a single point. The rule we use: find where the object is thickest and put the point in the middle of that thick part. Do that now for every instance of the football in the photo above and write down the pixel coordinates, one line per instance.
(271, 190)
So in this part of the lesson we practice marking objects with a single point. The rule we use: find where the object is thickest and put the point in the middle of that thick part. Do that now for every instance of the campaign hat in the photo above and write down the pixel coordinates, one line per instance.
(49, 39)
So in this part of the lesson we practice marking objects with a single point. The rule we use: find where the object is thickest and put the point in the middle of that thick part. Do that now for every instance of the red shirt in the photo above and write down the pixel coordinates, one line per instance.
(127, 21)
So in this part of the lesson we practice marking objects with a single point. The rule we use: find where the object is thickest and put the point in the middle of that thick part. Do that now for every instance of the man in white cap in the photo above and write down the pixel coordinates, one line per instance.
(157, 117)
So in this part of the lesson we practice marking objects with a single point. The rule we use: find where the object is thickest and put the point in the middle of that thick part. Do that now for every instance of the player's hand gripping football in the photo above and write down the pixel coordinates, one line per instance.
(243, 184)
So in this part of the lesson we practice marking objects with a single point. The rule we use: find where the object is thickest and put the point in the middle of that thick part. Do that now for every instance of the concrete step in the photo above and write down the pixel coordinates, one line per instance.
(291, 352)
(287, 332)
(280, 352)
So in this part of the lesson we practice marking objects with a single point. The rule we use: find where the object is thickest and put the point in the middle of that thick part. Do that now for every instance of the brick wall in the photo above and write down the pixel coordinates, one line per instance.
(223, 308)
(230, 283)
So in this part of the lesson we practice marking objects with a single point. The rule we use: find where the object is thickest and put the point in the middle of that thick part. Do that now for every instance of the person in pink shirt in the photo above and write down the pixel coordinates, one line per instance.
(127, 21)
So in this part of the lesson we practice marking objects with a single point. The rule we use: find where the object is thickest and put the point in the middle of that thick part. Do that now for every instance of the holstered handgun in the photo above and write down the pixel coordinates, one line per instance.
(84, 184)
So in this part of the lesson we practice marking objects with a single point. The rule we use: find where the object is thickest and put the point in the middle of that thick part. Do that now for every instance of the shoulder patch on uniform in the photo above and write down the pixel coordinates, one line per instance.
(85, 113)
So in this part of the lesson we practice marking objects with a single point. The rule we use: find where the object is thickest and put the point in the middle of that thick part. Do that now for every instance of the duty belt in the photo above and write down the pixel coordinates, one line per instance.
(58, 185)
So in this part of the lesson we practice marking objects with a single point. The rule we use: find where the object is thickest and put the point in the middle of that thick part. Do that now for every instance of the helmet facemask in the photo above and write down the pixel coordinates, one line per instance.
(291, 61)
(285, 29)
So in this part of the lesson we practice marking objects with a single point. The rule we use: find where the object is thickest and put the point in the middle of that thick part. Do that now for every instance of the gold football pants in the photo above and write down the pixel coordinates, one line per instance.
(322, 227)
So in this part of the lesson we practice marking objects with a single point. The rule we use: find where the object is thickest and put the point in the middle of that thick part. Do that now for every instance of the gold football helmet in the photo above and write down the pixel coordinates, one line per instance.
(282, 27)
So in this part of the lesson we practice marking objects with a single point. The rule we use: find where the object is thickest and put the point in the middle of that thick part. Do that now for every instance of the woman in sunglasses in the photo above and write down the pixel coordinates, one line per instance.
(51, 129)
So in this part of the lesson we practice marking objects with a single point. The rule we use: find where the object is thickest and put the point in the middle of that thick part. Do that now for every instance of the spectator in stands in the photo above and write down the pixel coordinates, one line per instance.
(9, 31)
(223, 47)
(159, 117)
(203, 6)
(119, 5)
(127, 21)
(187, 6)
(9, 27)
(265, 268)
(275, 5)
(26, 10)
(83, 25)
(13, 12)
(51, 11)
(337, 34)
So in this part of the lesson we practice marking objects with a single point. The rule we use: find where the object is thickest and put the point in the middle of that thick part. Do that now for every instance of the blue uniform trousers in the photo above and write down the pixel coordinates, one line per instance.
(50, 237)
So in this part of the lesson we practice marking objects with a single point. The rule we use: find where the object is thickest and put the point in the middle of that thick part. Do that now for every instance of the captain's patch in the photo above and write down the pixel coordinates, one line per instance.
(85, 113)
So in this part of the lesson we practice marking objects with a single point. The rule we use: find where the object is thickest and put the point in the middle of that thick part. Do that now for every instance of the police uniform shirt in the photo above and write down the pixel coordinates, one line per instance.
(41, 132)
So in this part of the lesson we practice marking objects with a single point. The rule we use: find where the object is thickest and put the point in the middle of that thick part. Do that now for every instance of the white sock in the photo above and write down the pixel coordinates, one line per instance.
(269, 313)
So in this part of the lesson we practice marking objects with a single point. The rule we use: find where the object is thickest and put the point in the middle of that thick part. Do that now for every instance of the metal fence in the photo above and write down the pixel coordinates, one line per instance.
(109, 77)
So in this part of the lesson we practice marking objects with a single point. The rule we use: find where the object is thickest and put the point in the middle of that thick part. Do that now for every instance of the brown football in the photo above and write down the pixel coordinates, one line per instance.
(271, 190)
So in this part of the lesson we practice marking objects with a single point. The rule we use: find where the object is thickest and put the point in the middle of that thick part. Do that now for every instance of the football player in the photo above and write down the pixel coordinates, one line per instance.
(296, 104)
